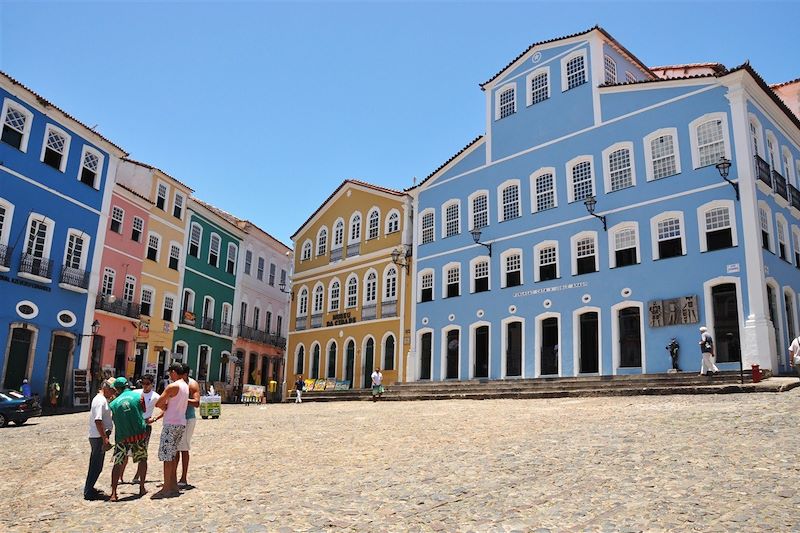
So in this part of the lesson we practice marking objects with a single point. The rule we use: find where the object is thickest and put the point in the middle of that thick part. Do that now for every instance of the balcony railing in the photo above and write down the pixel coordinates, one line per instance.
(118, 307)
(336, 254)
(316, 320)
(188, 318)
(36, 266)
(794, 196)
(208, 324)
(300, 323)
(226, 329)
(277, 340)
(5, 255)
(779, 184)
(368, 312)
(389, 309)
(74, 277)
(763, 171)
(353, 249)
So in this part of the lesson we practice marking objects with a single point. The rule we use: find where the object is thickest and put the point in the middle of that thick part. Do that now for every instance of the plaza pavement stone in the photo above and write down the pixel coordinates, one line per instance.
(598, 464)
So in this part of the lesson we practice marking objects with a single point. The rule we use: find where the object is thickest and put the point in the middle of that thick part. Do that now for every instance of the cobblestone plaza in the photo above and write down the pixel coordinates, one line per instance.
(672, 463)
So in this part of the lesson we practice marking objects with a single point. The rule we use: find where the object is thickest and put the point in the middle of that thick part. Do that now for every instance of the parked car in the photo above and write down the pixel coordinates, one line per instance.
(16, 407)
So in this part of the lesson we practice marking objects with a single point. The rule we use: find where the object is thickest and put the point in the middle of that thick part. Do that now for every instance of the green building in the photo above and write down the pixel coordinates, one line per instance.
(204, 335)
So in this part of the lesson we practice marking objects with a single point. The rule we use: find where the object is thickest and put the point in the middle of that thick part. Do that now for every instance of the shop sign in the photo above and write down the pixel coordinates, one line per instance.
(556, 288)
(673, 312)
(340, 319)
(733, 268)
(144, 328)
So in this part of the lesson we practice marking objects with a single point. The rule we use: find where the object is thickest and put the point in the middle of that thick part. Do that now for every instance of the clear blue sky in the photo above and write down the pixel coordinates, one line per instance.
(263, 108)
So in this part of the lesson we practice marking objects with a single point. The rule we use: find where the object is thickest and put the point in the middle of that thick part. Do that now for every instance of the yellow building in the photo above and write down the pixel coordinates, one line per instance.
(163, 266)
(351, 307)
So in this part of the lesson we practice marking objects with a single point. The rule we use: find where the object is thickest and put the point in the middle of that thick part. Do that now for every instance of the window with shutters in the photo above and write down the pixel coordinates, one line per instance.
(306, 252)
(393, 222)
(75, 247)
(137, 229)
(55, 148)
(480, 275)
(355, 228)
(214, 244)
(426, 286)
(453, 281)
(764, 215)
(322, 241)
(147, 301)
(107, 287)
(230, 259)
(174, 256)
(271, 279)
(117, 218)
(371, 288)
(427, 227)
(91, 163)
(161, 196)
(38, 241)
(177, 207)
(153, 245)
(338, 234)
(333, 296)
(130, 288)
(390, 284)
(319, 292)
(195, 234)
(16, 125)
(248, 261)
(169, 305)
(783, 249)
(260, 269)
(302, 302)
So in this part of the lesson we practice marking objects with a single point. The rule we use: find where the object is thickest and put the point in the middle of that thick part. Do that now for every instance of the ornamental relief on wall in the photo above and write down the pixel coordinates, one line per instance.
(673, 311)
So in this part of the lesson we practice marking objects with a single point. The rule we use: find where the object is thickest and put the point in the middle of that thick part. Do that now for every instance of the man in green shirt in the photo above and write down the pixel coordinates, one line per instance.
(130, 434)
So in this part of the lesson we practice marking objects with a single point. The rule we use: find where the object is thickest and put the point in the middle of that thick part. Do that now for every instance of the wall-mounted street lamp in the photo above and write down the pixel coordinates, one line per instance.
(724, 167)
(476, 236)
(591, 203)
(400, 257)
(95, 329)
(282, 288)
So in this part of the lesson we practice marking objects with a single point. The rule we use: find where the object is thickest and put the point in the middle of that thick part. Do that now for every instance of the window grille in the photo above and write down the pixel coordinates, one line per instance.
(582, 186)
(619, 166)
(662, 150)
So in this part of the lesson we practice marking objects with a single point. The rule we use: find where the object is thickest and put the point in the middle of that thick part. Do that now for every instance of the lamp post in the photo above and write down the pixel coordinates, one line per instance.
(282, 288)
(724, 168)
(400, 258)
(591, 203)
(476, 236)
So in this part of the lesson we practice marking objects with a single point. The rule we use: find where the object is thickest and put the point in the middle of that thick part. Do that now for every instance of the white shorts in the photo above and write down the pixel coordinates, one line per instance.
(186, 442)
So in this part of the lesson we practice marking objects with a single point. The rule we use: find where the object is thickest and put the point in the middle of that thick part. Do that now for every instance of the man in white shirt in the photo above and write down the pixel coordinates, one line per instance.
(377, 385)
(794, 355)
(707, 350)
(150, 396)
(100, 425)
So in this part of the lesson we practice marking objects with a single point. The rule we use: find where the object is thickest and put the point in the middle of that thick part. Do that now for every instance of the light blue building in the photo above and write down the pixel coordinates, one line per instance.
(515, 278)
(56, 177)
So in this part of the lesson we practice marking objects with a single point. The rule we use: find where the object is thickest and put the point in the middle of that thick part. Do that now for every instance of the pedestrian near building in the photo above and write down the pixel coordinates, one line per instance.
(172, 403)
(26, 388)
(130, 434)
(377, 385)
(794, 355)
(150, 397)
(299, 387)
(707, 349)
(191, 420)
(100, 425)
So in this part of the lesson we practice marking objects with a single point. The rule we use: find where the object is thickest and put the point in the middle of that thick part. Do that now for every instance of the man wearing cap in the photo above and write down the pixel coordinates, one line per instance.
(707, 349)
(172, 402)
(130, 434)
(100, 424)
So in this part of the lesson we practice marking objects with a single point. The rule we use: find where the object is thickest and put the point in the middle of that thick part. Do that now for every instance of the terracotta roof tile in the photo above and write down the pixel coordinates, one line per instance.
(783, 84)
(151, 167)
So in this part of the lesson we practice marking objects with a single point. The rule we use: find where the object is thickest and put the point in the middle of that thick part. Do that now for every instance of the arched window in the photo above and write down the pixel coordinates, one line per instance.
(352, 292)
(333, 296)
(315, 362)
(373, 224)
(623, 240)
(322, 241)
(427, 227)
(573, 70)
(452, 218)
(388, 353)
(479, 206)
(306, 254)
(667, 235)
(214, 249)
(708, 139)
(371, 288)
(543, 187)
(355, 228)
(509, 196)
(338, 234)
(610, 68)
(302, 302)
(332, 360)
(426, 286)
(393, 222)
(538, 85)
(581, 175)
(506, 103)
(318, 299)
(390, 287)
(618, 167)
(662, 153)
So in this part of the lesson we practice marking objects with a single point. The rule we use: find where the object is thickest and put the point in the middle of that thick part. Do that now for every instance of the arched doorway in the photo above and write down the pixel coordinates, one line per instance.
(369, 361)
(350, 362)
(548, 364)
(299, 361)
(315, 363)
(426, 344)
(388, 353)
(331, 361)
(725, 308)
(589, 361)
(514, 349)
(18, 357)
(630, 338)
(60, 357)
(120, 357)
(265, 371)
(453, 350)
(481, 369)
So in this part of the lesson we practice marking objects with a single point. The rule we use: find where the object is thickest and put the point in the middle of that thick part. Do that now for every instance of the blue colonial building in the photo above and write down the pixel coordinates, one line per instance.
(591, 224)
(56, 177)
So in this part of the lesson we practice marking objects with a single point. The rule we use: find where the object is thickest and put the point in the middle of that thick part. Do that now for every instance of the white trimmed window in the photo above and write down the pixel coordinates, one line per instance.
(147, 301)
(371, 288)
(764, 217)
(505, 101)
(452, 276)
(772, 151)
(545, 255)
(74, 256)
(512, 268)
(580, 172)
(479, 206)
(783, 247)
(667, 235)
(509, 198)
(480, 274)
(319, 292)
(796, 243)
(716, 228)
(618, 167)
(538, 85)
(788, 166)
(610, 69)
(169, 306)
(260, 269)
(306, 253)
(662, 154)
(40, 235)
(137, 229)
(338, 234)
(543, 188)
(271, 278)
(153, 246)
(248, 261)
(230, 259)
(195, 234)
(623, 239)
(333, 295)
(584, 250)
(91, 164)
(373, 224)
(17, 121)
(629, 77)
(174, 256)
(352, 292)
(130, 288)
(390, 284)
(452, 219)
(393, 221)
(426, 286)
(108, 281)
(322, 241)
(355, 228)
(755, 135)
(214, 246)
(427, 227)
(55, 147)
(161, 196)
(117, 218)
(302, 302)
(6, 215)
(177, 206)
(573, 70)
(709, 139)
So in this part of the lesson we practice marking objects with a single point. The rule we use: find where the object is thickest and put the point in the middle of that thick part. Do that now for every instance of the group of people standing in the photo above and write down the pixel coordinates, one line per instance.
(131, 415)
(377, 386)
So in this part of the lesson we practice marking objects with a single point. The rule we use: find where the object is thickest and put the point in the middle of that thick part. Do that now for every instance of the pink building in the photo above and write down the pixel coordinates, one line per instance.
(121, 296)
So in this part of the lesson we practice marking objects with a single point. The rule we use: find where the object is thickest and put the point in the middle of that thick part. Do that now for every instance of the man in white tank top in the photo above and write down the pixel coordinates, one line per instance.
(173, 403)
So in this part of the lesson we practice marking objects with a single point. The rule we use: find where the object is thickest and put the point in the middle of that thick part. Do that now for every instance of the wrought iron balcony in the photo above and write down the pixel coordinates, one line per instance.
(36, 266)
(118, 307)
(226, 329)
(794, 196)
(277, 340)
(300, 323)
(763, 171)
(779, 185)
(353, 249)
(188, 318)
(368, 312)
(336, 254)
(208, 324)
(316, 320)
(389, 309)
(74, 277)
(5, 255)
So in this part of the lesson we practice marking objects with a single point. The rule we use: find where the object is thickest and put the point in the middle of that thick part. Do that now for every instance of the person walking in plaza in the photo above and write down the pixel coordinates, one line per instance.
(100, 424)
(150, 397)
(191, 420)
(794, 355)
(707, 349)
(26, 388)
(377, 385)
(130, 434)
(172, 403)
(299, 387)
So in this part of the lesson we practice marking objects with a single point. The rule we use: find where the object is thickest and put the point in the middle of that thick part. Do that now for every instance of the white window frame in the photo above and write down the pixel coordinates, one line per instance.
(182, 206)
(630, 77)
(609, 68)
(140, 229)
(695, 124)
(760, 149)
(388, 228)
(199, 239)
(48, 238)
(107, 281)
(159, 183)
(367, 287)
(322, 241)
(570, 166)
(67, 140)
(420, 275)
(261, 267)
(334, 284)
(189, 297)
(347, 295)
(498, 93)
(318, 299)
(573, 245)
(158, 248)
(471, 208)
(565, 60)
(100, 162)
(780, 221)
(445, 206)
(534, 195)
(654, 221)
(5, 231)
(164, 307)
(226, 315)
(625, 145)
(536, 259)
(228, 257)
(248, 261)
(770, 225)
(26, 130)
(152, 292)
(351, 226)
(121, 220)
(502, 187)
(130, 281)
(648, 154)
(211, 248)
(612, 231)
(472, 264)
(390, 281)
(771, 149)
(377, 226)
(788, 166)
(302, 302)
(503, 266)
(87, 239)
(429, 211)
(701, 221)
(529, 78)
(445, 269)
(306, 250)
(340, 244)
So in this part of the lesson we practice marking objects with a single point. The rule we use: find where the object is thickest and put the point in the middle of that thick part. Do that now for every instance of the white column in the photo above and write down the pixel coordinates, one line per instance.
(411, 357)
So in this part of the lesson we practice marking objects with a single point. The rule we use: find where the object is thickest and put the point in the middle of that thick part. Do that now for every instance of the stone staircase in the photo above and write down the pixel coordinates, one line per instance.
(628, 385)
